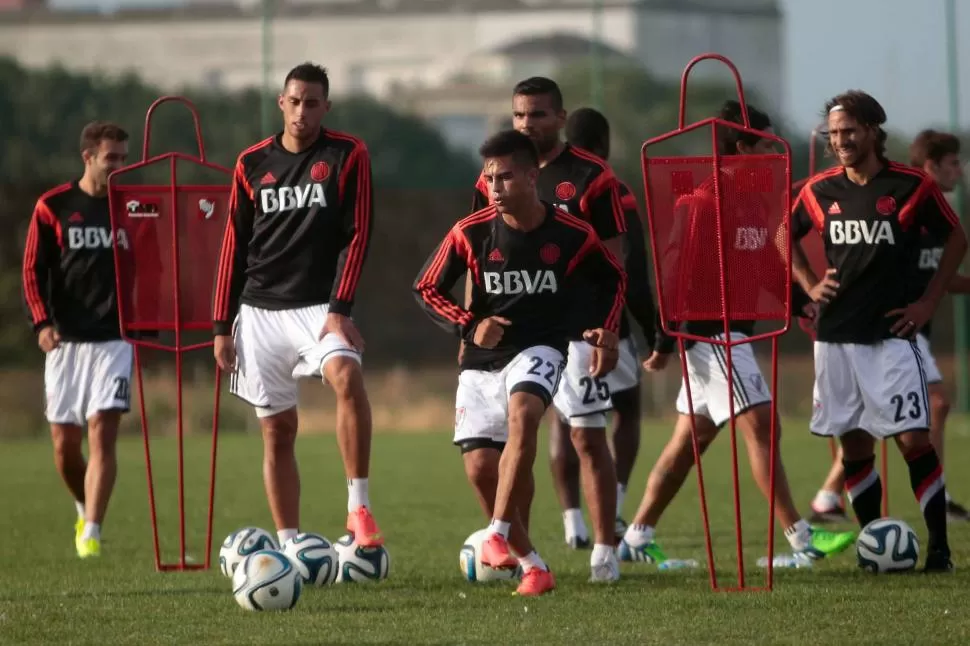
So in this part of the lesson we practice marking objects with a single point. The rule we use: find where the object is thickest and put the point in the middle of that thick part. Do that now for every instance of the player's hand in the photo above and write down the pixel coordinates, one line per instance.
(224, 349)
(489, 331)
(605, 351)
(825, 289)
(656, 362)
(48, 338)
(810, 315)
(912, 318)
(344, 328)
(601, 338)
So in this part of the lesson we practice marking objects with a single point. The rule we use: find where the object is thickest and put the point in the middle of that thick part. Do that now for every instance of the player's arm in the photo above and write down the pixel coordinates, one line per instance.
(639, 298)
(356, 215)
(41, 255)
(231, 275)
(602, 206)
(602, 269)
(432, 287)
(938, 217)
(960, 284)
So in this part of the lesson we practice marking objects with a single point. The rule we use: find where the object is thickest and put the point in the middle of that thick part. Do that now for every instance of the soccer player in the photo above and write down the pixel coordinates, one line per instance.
(938, 155)
(578, 182)
(870, 374)
(588, 129)
(707, 368)
(529, 263)
(294, 247)
(71, 298)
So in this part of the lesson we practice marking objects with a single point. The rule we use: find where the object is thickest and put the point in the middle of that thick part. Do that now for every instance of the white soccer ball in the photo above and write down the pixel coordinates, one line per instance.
(266, 580)
(470, 561)
(314, 557)
(241, 544)
(359, 564)
(887, 545)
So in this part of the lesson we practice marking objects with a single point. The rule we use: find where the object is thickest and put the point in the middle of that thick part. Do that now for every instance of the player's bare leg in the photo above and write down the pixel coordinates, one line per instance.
(939, 411)
(564, 463)
(99, 478)
(515, 466)
(354, 437)
(71, 465)
(666, 479)
(626, 445)
(827, 506)
(481, 468)
(926, 479)
(599, 487)
(281, 476)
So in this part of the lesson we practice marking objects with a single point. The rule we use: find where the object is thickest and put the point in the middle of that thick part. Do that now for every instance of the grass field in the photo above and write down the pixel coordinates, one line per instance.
(426, 510)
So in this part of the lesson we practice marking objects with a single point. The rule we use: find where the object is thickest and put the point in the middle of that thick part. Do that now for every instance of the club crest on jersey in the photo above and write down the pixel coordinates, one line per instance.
(886, 205)
(290, 198)
(520, 281)
(549, 253)
(320, 171)
(861, 231)
(94, 238)
(565, 190)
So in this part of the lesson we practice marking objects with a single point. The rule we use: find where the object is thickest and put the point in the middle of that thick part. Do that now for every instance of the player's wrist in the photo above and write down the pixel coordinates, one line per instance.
(337, 306)
(221, 328)
(43, 325)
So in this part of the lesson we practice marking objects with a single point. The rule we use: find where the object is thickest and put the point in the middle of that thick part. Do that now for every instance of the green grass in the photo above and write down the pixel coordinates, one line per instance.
(426, 509)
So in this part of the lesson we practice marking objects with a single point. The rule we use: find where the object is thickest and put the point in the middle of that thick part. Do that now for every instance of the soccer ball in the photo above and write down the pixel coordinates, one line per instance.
(470, 561)
(887, 545)
(241, 544)
(314, 557)
(360, 563)
(266, 580)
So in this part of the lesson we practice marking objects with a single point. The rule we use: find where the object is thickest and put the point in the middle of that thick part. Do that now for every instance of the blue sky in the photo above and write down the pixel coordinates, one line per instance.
(893, 49)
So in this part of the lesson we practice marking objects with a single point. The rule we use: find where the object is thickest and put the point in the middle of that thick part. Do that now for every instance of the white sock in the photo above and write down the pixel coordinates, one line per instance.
(91, 530)
(357, 494)
(284, 535)
(532, 560)
(573, 521)
(601, 554)
(620, 497)
(947, 497)
(799, 535)
(80, 508)
(826, 500)
(500, 527)
(638, 535)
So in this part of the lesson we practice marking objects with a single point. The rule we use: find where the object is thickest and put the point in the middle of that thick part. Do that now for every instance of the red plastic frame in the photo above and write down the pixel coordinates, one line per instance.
(179, 349)
(728, 342)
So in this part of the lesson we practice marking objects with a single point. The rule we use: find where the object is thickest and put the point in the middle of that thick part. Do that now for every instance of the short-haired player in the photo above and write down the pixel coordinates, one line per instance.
(707, 368)
(528, 263)
(292, 255)
(70, 293)
(870, 373)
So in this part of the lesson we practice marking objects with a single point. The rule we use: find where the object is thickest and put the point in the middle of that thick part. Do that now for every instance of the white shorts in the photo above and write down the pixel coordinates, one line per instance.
(626, 375)
(933, 375)
(707, 372)
(482, 400)
(879, 388)
(81, 379)
(276, 348)
(582, 400)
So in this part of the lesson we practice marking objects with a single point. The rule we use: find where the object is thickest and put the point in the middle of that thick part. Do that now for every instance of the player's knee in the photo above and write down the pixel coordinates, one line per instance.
(103, 432)
(857, 445)
(588, 441)
(66, 441)
(524, 419)
(939, 405)
(481, 468)
(279, 431)
(344, 376)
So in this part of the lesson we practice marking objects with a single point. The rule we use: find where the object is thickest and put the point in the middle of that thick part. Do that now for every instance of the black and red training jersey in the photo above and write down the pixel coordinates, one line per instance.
(872, 235)
(532, 278)
(639, 296)
(930, 252)
(299, 227)
(68, 266)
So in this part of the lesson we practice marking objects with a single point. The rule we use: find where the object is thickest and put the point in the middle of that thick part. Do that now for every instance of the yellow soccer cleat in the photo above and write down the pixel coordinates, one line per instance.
(88, 547)
(78, 529)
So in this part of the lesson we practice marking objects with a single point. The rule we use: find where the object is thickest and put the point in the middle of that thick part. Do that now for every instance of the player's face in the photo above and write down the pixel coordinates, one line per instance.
(851, 142)
(303, 105)
(536, 117)
(108, 157)
(947, 173)
(510, 185)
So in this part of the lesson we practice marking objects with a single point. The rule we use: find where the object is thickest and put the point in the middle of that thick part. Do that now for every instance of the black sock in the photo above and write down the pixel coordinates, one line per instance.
(864, 489)
(926, 477)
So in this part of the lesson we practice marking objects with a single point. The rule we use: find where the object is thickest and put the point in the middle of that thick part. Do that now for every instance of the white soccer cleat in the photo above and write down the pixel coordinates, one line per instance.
(606, 571)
